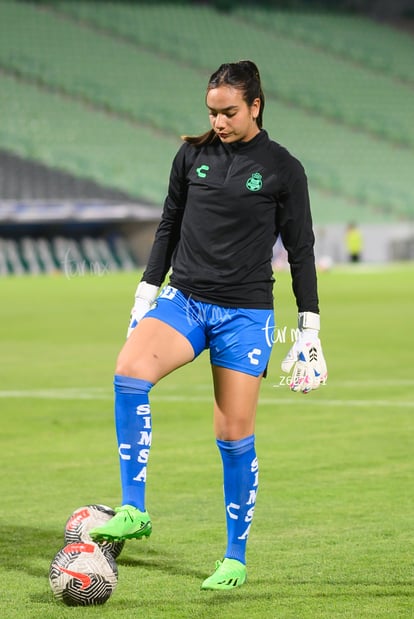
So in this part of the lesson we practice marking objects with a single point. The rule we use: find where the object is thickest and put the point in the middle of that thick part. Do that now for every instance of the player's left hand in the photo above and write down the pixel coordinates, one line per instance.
(305, 360)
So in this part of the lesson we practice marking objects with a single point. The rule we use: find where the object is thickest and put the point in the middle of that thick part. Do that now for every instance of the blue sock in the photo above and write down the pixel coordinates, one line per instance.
(240, 474)
(133, 429)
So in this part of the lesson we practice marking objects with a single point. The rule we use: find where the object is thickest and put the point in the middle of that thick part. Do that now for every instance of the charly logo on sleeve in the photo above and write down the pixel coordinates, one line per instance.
(255, 182)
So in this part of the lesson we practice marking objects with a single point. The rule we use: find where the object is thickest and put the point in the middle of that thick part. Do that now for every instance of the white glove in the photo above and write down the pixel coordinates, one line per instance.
(145, 296)
(306, 356)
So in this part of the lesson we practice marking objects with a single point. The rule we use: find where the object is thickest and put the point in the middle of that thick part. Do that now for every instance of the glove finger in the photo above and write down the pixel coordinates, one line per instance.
(321, 372)
(316, 381)
(300, 380)
(308, 382)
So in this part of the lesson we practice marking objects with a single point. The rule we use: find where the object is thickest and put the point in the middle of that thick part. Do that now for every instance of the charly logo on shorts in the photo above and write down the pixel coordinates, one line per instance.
(255, 182)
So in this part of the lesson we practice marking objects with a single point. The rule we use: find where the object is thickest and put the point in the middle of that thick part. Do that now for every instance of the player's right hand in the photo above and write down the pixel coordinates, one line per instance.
(145, 296)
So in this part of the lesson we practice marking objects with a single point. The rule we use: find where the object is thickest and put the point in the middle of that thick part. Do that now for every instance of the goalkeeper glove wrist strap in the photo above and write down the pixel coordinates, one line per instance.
(146, 291)
(309, 320)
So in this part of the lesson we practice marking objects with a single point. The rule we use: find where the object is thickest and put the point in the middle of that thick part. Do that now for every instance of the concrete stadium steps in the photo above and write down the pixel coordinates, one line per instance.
(27, 179)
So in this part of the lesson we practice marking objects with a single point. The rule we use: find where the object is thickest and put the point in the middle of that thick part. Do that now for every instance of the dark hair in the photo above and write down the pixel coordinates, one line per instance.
(243, 75)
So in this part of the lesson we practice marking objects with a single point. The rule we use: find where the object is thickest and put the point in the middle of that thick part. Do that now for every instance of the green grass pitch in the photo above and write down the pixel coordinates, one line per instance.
(333, 535)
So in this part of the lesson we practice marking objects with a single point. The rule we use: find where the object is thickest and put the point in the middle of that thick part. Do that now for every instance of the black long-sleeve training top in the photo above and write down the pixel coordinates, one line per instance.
(225, 207)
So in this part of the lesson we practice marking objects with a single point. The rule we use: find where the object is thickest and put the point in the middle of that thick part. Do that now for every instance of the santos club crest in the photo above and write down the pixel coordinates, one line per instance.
(254, 183)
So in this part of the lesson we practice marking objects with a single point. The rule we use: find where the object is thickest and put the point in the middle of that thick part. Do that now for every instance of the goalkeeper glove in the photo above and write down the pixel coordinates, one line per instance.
(145, 296)
(306, 356)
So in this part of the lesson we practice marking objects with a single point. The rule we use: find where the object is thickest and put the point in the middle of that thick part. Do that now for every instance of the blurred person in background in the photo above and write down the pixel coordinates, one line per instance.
(354, 243)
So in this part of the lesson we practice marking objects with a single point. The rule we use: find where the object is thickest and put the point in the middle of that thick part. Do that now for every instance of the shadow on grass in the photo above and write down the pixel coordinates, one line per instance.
(22, 547)
(168, 563)
(29, 549)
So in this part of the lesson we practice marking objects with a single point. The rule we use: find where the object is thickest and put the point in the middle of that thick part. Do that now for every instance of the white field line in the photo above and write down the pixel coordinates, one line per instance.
(58, 394)
(375, 382)
(294, 400)
(104, 394)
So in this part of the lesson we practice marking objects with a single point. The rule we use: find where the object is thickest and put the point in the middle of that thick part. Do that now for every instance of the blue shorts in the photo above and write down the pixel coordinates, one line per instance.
(238, 339)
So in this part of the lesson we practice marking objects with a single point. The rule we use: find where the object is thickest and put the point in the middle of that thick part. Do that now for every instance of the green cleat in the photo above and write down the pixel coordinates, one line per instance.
(128, 523)
(229, 574)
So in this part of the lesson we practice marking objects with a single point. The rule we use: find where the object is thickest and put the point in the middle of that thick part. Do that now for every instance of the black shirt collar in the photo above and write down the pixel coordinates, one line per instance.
(241, 146)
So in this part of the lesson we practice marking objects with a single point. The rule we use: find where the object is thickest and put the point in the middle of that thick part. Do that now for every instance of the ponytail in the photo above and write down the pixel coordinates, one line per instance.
(209, 137)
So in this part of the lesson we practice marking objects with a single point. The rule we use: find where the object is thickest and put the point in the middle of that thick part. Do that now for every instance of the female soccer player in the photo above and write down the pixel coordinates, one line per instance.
(232, 192)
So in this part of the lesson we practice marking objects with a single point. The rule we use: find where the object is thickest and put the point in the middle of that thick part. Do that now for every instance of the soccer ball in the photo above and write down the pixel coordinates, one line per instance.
(81, 574)
(87, 517)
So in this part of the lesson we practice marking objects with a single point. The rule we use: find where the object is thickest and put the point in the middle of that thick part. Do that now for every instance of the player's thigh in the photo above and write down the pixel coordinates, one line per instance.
(153, 350)
(235, 402)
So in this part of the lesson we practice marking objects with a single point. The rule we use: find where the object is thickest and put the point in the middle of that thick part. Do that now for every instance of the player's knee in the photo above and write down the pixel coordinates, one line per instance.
(126, 366)
(134, 367)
